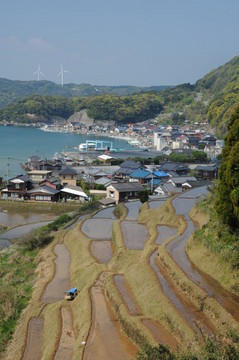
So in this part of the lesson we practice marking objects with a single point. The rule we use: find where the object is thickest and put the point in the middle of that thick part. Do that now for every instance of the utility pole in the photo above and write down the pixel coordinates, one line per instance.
(152, 179)
(7, 170)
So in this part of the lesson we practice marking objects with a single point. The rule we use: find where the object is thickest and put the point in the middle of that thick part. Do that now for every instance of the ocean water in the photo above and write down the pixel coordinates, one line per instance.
(18, 143)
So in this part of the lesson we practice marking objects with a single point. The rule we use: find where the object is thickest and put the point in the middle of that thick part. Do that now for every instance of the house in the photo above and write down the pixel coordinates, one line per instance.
(17, 187)
(206, 172)
(141, 176)
(39, 175)
(68, 176)
(124, 191)
(53, 182)
(180, 180)
(103, 181)
(71, 192)
(127, 168)
(106, 159)
(178, 168)
(43, 193)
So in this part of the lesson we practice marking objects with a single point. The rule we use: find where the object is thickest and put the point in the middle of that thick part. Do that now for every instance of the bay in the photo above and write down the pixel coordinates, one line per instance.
(18, 143)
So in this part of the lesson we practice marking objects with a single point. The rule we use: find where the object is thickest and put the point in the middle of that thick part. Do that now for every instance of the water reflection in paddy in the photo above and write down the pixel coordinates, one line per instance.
(98, 228)
(107, 213)
(133, 210)
(164, 233)
(135, 235)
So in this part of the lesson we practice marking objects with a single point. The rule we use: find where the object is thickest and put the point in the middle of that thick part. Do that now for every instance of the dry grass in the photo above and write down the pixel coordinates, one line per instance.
(84, 271)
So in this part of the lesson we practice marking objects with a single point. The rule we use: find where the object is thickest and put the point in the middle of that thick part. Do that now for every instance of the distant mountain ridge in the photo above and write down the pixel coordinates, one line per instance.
(212, 98)
(14, 90)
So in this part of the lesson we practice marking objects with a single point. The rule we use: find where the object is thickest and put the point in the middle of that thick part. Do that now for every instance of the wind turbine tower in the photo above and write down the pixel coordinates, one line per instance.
(61, 74)
(38, 73)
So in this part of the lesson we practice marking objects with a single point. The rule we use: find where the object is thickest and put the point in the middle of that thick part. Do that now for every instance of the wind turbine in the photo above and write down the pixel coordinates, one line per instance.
(38, 73)
(61, 74)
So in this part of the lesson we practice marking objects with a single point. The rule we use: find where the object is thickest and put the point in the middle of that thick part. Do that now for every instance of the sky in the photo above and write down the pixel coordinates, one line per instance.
(117, 42)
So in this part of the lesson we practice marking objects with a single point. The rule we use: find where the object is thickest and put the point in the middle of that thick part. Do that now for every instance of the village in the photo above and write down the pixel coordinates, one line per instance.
(116, 176)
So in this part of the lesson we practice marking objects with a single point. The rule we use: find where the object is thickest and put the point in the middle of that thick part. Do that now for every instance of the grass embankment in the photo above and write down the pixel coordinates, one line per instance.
(25, 270)
(134, 265)
(214, 247)
(17, 267)
(38, 207)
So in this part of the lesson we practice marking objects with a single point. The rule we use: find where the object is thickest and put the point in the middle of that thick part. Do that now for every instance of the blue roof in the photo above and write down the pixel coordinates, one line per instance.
(72, 291)
(160, 174)
(156, 181)
(140, 174)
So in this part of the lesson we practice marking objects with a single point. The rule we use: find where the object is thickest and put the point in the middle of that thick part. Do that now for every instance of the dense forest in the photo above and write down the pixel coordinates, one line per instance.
(132, 108)
(12, 91)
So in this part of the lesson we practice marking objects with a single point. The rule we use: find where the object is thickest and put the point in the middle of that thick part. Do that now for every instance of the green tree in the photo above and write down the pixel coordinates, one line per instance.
(228, 186)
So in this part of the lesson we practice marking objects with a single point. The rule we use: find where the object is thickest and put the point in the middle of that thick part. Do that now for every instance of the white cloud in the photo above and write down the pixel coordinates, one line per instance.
(39, 43)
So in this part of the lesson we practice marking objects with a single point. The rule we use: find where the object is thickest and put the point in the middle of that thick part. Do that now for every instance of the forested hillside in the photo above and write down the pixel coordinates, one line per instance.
(12, 91)
(213, 98)
(121, 109)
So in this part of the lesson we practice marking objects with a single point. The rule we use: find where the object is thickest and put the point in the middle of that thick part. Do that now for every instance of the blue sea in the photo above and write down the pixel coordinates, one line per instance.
(18, 143)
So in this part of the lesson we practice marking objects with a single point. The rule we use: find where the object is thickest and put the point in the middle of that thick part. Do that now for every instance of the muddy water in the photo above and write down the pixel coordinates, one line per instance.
(106, 340)
(61, 281)
(164, 233)
(160, 334)
(135, 235)
(127, 295)
(182, 305)
(22, 230)
(102, 251)
(133, 210)
(34, 339)
(176, 249)
(66, 345)
(11, 218)
(156, 203)
(98, 228)
(107, 213)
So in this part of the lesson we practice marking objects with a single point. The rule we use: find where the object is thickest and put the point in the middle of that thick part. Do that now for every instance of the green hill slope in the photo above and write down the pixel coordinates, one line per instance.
(12, 91)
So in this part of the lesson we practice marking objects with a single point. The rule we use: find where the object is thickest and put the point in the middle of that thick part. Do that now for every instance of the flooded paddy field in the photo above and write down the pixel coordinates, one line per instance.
(133, 210)
(135, 235)
(186, 309)
(107, 213)
(60, 283)
(106, 341)
(98, 228)
(101, 250)
(164, 233)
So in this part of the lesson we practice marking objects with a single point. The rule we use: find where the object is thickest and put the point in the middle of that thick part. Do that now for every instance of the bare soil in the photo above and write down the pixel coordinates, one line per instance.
(34, 339)
(101, 250)
(66, 345)
(160, 334)
(127, 295)
(106, 341)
